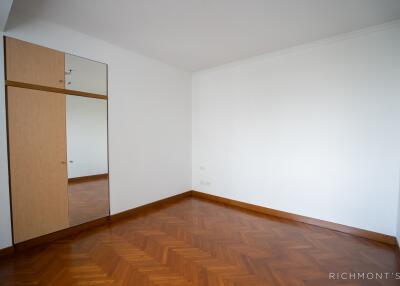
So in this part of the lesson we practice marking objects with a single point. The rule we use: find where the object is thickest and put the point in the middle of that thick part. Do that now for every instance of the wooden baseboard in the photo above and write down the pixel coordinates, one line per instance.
(59, 234)
(88, 225)
(299, 218)
(87, 178)
(161, 203)
(151, 206)
(6, 251)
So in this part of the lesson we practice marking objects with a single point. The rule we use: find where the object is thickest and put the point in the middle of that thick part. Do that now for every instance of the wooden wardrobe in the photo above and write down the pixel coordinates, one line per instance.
(36, 125)
(37, 162)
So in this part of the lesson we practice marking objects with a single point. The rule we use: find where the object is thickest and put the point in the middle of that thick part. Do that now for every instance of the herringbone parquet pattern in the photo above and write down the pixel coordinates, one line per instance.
(195, 242)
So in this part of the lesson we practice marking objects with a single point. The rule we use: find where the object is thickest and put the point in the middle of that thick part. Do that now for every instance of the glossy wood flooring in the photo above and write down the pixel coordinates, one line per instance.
(88, 200)
(196, 242)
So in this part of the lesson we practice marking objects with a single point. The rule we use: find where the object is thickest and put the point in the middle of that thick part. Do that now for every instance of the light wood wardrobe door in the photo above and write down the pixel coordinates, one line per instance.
(29, 63)
(38, 170)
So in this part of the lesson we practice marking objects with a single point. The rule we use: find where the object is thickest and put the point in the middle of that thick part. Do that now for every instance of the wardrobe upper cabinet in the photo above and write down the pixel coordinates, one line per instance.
(85, 75)
(29, 63)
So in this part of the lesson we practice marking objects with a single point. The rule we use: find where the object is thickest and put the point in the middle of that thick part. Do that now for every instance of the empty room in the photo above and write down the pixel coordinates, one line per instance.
(200, 142)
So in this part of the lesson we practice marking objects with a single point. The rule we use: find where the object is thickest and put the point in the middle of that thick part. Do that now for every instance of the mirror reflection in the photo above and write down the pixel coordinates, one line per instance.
(87, 157)
(85, 75)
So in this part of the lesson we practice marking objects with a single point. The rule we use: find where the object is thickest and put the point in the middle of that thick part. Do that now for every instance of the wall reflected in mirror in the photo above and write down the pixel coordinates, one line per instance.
(87, 155)
(85, 75)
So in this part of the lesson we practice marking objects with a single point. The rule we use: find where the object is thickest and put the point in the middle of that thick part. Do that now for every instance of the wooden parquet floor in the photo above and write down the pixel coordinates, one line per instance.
(196, 242)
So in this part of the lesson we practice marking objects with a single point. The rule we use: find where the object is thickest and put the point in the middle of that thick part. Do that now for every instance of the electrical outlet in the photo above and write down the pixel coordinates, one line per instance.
(205, 183)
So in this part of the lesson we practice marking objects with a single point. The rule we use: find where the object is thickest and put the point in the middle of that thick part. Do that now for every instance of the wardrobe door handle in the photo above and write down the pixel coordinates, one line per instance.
(63, 162)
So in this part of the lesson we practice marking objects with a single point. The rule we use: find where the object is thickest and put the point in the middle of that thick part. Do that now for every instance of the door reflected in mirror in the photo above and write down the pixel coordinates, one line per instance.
(87, 154)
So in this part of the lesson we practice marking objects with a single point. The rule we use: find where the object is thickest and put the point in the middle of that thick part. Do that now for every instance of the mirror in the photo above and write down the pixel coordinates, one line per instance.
(85, 75)
(87, 155)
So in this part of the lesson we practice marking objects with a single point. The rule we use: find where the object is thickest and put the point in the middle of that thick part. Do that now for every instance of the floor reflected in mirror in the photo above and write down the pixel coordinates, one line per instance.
(88, 199)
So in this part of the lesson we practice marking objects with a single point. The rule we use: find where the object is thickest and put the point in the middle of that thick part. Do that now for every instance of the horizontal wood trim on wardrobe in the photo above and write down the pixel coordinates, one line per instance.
(54, 89)
(299, 218)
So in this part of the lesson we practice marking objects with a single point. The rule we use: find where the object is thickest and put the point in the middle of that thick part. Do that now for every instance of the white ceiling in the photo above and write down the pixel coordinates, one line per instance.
(198, 34)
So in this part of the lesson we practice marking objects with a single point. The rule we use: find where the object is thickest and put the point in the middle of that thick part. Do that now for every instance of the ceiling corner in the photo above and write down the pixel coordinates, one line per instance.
(5, 8)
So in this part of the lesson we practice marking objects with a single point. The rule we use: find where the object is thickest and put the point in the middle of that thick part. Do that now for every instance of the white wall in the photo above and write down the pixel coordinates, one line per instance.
(313, 130)
(149, 118)
(86, 136)
(5, 222)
